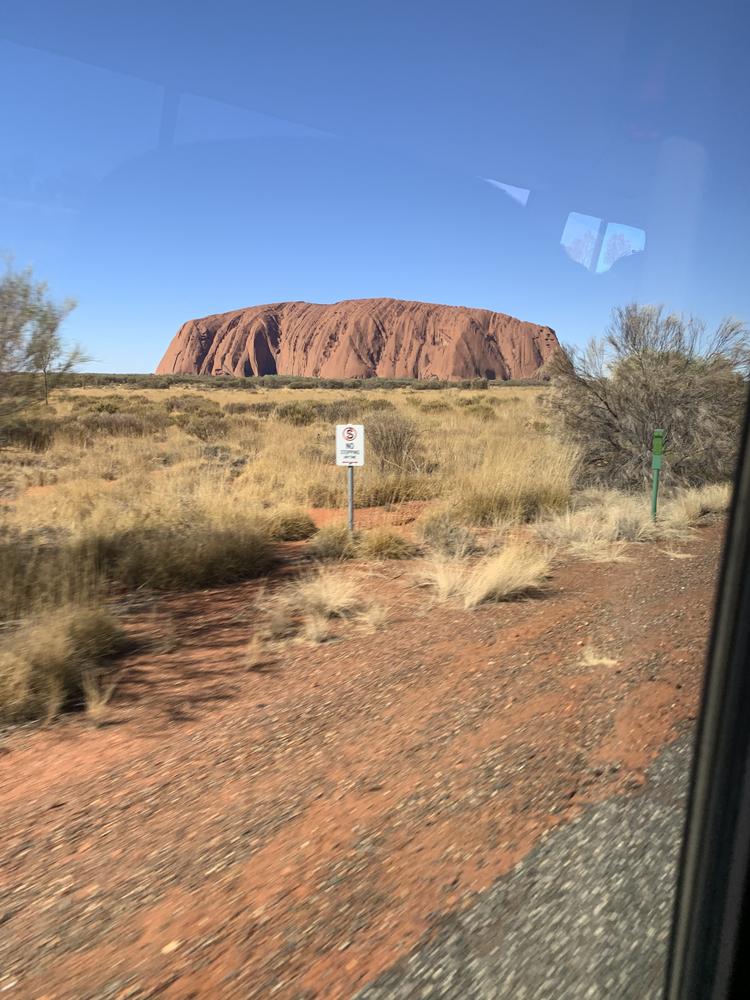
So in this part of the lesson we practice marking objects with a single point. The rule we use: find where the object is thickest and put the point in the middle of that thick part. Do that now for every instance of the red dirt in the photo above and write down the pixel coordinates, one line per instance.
(292, 830)
(371, 517)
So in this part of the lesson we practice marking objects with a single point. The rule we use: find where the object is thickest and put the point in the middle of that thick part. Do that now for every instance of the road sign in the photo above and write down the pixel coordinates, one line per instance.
(350, 444)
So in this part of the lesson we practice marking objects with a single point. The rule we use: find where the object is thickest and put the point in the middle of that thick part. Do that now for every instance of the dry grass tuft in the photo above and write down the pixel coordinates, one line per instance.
(583, 534)
(327, 593)
(316, 627)
(518, 569)
(254, 655)
(373, 617)
(688, 508)
(382, 543)
(57, 663)
(591, 658)
(98, 688)
(674, 554)
(290, 525)
(332, 542)
(443, 577)
(603, 522)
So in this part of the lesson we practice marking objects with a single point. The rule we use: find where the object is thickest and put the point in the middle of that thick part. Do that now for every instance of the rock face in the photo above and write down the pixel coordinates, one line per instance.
(360, 338)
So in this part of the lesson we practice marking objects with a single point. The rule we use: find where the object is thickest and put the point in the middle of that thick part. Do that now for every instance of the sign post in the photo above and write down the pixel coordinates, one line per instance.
(350, 452)
(657, 449)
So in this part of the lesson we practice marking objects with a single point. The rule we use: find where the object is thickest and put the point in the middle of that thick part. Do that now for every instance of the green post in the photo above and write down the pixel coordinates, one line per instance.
(657, 449)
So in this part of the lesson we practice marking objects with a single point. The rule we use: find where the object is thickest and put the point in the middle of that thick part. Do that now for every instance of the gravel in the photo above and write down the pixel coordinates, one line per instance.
(586, 916)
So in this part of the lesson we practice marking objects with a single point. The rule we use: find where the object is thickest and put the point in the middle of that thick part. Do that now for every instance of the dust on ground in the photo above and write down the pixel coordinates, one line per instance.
(292, 830)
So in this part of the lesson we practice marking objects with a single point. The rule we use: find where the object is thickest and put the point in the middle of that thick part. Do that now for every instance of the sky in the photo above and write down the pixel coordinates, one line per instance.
(164, 161)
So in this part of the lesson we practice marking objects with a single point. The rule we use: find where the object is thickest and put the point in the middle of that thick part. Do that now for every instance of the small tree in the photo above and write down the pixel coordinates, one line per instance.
(46, 355)
(651, 370)
(32, 353)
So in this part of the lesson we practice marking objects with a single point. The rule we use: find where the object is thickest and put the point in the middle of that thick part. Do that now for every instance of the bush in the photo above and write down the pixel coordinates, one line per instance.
(193, 404)
(36, 435)
(331, 542)
(88, 426)
(653, 370)
(381, 543)
(204, 426)
(176, 556)
(327, 493)
(394, 441)
(262, 410)
(299, 414)
(47, 663)
(235, 408)
(444, 534)
(291, 525)
(433, 406)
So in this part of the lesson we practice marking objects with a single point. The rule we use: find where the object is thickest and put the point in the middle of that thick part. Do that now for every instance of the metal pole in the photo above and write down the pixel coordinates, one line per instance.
(654, 493)
(350, 485)
(657, 449)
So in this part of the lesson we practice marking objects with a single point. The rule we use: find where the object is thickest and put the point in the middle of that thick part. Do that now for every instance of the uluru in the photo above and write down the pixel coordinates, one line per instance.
(360, 338)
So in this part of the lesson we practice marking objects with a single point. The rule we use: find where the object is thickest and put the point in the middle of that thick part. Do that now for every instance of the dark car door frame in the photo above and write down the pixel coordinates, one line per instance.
(706, 957)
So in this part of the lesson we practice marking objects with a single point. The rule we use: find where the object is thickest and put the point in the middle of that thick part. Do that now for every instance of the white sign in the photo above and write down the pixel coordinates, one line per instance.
(350, 444)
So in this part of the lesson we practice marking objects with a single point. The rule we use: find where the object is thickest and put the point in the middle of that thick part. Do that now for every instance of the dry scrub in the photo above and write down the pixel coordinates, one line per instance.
(111, 492)
(603, 522)
(58, 663)
(518, 569)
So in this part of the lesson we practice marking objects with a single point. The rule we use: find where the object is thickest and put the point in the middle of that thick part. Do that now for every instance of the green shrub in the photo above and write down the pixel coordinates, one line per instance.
(262, 410)
(299, 413)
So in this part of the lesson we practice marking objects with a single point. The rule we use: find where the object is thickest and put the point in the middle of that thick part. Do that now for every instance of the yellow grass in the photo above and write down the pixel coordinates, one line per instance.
(592, 658)
(603, 522)
(518, 569)
(443, 577)
(153, 501)
(51, 663)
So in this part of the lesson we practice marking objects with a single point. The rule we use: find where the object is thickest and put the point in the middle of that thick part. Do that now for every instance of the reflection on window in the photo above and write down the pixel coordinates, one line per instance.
(519, 194)
(596, 244)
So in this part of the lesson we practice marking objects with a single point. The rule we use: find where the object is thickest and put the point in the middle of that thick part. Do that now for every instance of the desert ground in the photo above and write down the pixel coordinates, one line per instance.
(244, 755)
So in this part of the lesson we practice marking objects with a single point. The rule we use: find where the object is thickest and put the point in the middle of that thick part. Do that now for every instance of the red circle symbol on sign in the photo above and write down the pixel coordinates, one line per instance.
(349, 434)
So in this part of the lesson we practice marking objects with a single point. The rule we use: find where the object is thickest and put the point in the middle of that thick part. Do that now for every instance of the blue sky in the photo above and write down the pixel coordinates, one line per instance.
(162, 161)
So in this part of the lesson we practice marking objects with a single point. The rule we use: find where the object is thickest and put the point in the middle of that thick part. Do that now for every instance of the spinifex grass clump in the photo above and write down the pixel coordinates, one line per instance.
(58, 661)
